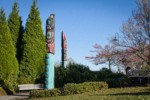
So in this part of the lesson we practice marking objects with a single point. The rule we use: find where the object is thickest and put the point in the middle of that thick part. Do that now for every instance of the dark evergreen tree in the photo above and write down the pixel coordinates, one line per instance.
(16, 29)
(8, 62)
(34, 49)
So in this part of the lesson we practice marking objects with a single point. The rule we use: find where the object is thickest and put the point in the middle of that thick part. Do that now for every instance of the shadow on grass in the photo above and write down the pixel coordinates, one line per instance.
(137, 93)
(122, 94)
(142, 92)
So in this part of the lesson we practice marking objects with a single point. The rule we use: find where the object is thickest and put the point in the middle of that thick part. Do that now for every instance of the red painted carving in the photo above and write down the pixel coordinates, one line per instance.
(64, 47)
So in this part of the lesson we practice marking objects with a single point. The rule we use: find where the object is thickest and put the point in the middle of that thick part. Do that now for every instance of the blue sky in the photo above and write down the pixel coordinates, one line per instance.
(85, 22)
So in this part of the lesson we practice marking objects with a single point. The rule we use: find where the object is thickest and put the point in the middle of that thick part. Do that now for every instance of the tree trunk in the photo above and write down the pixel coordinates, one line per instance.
(109, 65)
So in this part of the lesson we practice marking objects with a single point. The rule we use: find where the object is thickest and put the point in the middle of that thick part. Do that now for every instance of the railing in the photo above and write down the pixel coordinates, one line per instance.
(138, 73)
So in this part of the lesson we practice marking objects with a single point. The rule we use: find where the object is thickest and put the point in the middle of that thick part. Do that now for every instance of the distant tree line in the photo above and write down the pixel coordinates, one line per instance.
(78, 73)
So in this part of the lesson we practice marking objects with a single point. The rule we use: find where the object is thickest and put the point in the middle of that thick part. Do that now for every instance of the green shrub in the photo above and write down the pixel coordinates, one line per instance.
(45, 93)
(9, 67)
(114, 79)
(73, 73)
(117, 80)
(25, 80)
(55, 92)
(78, 73)
(10, 86)
(112, 82)
(72, 88)
(33, 47)
(104, 85)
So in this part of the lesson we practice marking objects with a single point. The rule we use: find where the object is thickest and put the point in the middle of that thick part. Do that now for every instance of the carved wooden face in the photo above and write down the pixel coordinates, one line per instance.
(49, 35)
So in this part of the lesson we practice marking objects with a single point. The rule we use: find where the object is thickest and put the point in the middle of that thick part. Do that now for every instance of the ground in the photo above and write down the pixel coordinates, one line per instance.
(18, 96)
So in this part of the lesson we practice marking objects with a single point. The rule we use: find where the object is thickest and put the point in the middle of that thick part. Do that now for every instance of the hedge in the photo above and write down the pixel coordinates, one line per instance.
(45, 93)
(70, 88)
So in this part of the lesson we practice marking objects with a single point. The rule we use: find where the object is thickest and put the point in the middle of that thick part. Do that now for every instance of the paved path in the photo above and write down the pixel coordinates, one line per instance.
(15, 97)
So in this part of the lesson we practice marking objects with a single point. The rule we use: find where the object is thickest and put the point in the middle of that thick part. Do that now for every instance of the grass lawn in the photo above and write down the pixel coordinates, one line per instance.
(128, 93)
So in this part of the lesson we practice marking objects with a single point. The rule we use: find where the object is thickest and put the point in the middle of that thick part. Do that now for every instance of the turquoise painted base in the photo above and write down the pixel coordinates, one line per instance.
(49, 74)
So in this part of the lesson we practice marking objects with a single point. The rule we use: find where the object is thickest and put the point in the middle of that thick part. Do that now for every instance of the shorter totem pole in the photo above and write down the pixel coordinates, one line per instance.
(64, 50)
(50, 47)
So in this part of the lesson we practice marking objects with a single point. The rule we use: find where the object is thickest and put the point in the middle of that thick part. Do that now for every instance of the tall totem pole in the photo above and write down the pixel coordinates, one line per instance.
(50, 47)
(64, 49)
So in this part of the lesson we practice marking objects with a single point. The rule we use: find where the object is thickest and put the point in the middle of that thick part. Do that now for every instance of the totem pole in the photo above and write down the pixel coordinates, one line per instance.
(64, 49)
(50, 48)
